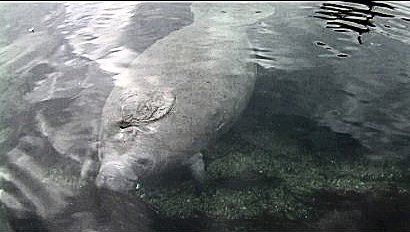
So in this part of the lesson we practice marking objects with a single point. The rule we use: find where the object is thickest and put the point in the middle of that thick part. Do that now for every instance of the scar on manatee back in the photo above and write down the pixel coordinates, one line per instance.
(138, 108)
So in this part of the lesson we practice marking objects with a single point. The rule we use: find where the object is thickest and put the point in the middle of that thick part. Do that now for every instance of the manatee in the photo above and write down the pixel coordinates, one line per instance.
(178, 96)
(49, 118)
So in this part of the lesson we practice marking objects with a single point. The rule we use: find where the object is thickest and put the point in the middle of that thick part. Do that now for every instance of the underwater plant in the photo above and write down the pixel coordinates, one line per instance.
(264, 175)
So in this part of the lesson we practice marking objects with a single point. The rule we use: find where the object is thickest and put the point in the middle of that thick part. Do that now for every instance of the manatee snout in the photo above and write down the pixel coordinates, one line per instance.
(116, 176)
(122, 174)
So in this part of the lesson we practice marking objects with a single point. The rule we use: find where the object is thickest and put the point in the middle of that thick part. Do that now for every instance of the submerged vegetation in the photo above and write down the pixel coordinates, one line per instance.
(255, 173)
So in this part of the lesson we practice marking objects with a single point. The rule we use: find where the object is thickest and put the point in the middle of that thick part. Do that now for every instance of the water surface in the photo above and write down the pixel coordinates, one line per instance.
(332, 76)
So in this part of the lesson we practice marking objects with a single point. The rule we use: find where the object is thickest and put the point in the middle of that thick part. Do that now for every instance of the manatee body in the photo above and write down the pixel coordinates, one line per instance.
(178, 96)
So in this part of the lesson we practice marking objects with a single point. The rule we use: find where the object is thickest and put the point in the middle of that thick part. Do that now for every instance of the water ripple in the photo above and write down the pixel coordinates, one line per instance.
(389, 19)
(94, 29)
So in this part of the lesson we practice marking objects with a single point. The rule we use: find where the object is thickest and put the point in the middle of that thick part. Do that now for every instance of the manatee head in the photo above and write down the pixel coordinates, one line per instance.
(127, 151)
(123, 160)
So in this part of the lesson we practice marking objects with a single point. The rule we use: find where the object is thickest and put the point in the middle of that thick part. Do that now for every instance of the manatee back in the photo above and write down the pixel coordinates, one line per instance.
(204, 68)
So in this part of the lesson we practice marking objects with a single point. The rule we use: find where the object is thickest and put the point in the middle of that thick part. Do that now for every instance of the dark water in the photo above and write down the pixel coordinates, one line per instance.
(333, 75)
(345, 73)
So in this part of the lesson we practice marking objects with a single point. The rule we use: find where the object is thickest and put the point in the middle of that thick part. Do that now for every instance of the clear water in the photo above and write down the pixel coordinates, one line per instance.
(332, 77)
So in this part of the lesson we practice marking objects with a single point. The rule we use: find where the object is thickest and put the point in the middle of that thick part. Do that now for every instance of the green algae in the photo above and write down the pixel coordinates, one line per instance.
(279, 179)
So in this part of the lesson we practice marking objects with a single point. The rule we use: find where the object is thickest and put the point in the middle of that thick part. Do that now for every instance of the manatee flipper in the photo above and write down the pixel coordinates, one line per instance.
(197, 167)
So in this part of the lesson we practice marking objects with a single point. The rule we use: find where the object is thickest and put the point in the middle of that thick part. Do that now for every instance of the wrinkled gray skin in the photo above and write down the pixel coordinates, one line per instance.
(178, 96)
